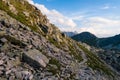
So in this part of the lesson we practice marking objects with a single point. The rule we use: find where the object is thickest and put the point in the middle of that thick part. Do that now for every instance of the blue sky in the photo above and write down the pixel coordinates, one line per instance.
(100, 17)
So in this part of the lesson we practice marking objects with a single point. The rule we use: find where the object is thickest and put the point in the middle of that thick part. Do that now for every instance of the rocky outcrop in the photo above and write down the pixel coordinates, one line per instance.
(35, 58)
(111, 57)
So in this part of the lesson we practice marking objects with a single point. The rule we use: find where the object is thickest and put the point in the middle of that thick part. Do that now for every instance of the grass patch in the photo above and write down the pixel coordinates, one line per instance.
(75, 53)
(55, 62)
(20, 16)
(3, 6)
(53, 41)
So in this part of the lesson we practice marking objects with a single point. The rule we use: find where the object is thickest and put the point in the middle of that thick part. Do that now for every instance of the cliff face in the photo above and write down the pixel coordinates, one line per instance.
(31, 48)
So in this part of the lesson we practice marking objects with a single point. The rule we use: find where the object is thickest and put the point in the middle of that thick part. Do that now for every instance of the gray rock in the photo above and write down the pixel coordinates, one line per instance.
(50, 78)
(18, 75)
(35, 58)
(12, 78)
(3, 40)
(1, 68)
(27, 75)
(1, 62)
(9, 65)
(8, 72)
(1, 72)
(24, 75)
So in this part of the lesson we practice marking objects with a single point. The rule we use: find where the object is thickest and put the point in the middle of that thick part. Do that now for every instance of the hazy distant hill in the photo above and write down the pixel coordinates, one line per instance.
(106, 43)
(70, 34)
(86, 37)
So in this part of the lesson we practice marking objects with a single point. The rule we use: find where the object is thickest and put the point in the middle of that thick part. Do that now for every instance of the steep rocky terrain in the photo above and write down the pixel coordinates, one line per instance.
(111, 50)
(31, 48)
(111, 57)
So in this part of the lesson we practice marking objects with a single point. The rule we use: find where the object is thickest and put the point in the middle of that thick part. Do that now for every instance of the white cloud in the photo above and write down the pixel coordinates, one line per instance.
(56, 17)
(106, 7)
(101, 27)
(78, 18)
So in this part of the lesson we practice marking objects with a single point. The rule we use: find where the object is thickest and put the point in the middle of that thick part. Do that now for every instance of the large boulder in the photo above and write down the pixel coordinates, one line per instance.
(35, 58)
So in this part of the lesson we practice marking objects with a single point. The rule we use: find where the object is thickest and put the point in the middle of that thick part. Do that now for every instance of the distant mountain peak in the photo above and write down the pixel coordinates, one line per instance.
(105, 43)
(86, 37)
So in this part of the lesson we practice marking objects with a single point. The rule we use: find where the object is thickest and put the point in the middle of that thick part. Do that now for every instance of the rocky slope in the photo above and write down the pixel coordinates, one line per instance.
(111, 50)
(111, 57)
(31, 48)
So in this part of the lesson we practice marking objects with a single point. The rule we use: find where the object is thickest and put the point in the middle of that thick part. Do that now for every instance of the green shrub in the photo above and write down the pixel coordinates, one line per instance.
(75, 53)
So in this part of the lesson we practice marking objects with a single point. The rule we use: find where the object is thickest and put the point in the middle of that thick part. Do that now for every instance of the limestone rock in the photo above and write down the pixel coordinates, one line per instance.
(11, 77)
(24, 75)
(12, 8)
(3, 40)
(1, 62)
(35, 58)
(26, 14)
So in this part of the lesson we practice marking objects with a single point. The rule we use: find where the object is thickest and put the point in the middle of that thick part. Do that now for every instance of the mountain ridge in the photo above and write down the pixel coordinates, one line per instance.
(86, 37)
(108, 42)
